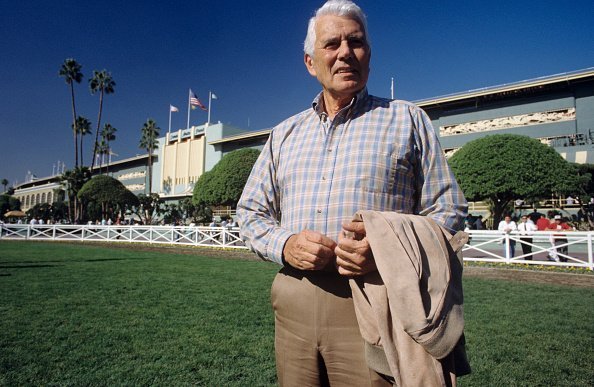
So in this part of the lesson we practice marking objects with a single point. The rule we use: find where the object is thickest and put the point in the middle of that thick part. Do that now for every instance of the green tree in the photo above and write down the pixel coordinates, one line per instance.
(504, 167)
(103, 83)
(83, 127)
(201, 213)
(107, 192)
(59, 211)
(72, 180)
(8, 203)
(149, 206)
(148, 141)
(4, 182)
(586, 171)
(71, 72)
(41, 210)
(172, 213)
(224, 183)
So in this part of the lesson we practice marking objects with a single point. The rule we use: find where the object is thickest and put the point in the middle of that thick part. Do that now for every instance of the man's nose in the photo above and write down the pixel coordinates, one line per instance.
(344, 51)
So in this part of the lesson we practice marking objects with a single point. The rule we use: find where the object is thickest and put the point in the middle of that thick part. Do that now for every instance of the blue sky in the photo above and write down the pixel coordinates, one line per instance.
(250, 54)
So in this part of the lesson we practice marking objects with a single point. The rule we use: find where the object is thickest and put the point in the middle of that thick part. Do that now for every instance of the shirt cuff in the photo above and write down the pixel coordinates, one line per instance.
(276, 244)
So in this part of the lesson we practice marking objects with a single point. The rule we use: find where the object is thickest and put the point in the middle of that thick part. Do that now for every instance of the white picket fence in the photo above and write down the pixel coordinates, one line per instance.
(484, 246)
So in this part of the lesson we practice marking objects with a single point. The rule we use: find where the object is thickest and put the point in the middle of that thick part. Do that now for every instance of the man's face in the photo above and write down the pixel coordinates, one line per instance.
(507, 219)
(341, 56)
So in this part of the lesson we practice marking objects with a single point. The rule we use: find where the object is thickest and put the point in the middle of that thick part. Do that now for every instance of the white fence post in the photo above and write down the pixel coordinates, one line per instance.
(507, 248)
(590, 257)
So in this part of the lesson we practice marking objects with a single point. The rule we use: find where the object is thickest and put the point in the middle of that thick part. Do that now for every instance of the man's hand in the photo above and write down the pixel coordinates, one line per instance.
(309, 250)
(353, 253)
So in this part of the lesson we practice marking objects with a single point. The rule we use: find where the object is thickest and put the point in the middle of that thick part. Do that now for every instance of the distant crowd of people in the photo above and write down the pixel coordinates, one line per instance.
(526, 225)
(228, 222)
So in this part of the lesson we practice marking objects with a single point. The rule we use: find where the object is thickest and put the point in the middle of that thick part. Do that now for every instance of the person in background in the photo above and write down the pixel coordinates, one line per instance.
(526, 228)
(542, 223)
(478, 224)
(559, 241)
(507, 225)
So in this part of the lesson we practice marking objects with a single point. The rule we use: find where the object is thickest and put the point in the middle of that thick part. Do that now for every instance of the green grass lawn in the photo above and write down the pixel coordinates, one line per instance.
(74, 314)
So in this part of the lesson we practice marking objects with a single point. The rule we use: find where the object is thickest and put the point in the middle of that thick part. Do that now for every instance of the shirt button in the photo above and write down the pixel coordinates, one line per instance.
(329, 150)
(323, 178)
(319, 211)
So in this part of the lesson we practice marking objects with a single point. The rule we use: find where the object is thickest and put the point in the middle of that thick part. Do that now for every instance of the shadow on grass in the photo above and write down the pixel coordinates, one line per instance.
(26, 266)
(108, 259)
(18, 264)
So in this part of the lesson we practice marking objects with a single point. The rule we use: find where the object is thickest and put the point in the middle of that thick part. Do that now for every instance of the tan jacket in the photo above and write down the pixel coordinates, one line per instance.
(410, 311)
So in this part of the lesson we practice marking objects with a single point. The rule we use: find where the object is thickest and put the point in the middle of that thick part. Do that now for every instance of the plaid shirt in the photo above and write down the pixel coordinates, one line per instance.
(313, 173)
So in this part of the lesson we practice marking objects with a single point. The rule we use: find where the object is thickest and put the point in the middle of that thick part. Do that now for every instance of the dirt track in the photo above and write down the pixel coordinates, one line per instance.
(509, 274)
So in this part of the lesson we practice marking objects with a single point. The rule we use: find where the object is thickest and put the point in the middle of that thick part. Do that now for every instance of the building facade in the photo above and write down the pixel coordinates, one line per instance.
(558, 110)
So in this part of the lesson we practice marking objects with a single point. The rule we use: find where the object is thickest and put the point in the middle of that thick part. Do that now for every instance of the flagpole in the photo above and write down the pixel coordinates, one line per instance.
(189, 93)
(209, 99)
(169, 131)
(392, 87)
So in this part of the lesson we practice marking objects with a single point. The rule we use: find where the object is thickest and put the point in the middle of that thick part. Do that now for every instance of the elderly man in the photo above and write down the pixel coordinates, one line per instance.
(350, 151)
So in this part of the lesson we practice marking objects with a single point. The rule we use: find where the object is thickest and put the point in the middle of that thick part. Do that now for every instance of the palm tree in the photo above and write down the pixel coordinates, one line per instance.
(71, 73)
(148, 142)
(108, 135)
(83, 127)
(104, 84)
(4, 182)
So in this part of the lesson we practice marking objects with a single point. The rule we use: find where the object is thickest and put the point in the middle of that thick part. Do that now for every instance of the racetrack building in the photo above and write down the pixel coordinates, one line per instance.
(558, 110)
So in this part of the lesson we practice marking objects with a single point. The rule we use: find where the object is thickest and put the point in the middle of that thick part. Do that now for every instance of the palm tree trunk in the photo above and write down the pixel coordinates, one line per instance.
(82, 163)
(150, 172)
(108, 157)
(74, 130)
(97, 131)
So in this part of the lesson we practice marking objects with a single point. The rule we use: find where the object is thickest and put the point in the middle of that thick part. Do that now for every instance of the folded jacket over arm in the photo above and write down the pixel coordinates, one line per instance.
(410, 311)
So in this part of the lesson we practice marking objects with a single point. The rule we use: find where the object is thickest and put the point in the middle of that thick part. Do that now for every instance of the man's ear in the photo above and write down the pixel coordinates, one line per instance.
(308, 60)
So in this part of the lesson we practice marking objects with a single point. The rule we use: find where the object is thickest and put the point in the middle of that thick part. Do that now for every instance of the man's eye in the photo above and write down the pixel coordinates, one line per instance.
(356, 42)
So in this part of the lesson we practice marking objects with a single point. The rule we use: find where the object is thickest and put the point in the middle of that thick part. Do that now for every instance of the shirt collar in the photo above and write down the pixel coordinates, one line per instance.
(356, 103)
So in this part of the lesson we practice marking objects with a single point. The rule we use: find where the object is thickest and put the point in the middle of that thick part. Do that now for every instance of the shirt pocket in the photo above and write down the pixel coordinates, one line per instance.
(375, 171)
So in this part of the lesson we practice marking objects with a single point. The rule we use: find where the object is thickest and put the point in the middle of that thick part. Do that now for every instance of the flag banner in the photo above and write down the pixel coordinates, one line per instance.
(195, 102)
(214, 96)
(173, 109)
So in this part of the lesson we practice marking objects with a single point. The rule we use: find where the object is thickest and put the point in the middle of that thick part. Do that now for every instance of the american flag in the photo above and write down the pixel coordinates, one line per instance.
(194, 101)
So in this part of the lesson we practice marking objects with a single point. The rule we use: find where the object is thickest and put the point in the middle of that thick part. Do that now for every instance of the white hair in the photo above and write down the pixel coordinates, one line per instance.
(344, 8)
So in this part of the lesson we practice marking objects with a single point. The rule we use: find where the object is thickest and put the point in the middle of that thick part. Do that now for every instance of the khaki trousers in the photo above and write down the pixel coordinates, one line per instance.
(317, 339)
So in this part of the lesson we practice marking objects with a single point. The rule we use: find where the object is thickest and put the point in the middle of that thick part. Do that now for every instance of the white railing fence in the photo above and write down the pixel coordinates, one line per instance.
(191, 236)
(484, 246)
(543, 248)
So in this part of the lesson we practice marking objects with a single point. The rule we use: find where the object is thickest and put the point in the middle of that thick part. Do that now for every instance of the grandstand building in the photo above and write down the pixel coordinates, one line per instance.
(558, 110)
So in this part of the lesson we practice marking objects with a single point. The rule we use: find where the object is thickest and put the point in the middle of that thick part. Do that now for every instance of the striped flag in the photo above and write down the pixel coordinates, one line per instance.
(195, 102)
